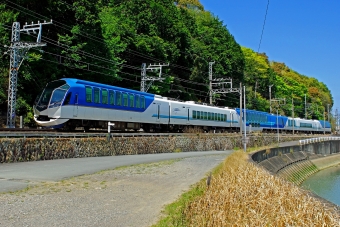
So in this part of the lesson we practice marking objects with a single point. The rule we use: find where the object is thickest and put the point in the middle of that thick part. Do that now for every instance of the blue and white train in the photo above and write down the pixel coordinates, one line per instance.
(70, 103)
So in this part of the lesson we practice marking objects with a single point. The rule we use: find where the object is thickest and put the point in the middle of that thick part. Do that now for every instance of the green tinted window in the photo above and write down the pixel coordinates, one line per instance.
(205, 115)
(112, 97)
(125, 99)
(96, 95)
(194, 114)
(142, 102)
(104, 97)
(119, 98)
(131, 100)
(137, 101)
(88, 94)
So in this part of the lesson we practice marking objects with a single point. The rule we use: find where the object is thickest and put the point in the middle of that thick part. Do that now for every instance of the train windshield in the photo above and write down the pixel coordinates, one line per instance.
(57, 90)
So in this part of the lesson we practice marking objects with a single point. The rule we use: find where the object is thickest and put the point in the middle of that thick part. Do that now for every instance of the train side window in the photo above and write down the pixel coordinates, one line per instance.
(131, 100)
(205, 115)
(68, 98)
(112, 97)
(215, 118)
(194, 114)
(96, 95)
(88, 94)
(125, 99)
(209, 116)
(119, 98)
(142, 102)
(219, 117)
(137, 101)
(104, 97)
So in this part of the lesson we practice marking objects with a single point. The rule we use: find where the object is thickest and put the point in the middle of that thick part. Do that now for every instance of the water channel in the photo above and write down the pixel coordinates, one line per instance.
(325, 184)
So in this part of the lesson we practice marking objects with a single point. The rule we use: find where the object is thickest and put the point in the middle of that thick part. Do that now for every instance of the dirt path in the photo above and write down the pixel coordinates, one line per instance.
(130, 196)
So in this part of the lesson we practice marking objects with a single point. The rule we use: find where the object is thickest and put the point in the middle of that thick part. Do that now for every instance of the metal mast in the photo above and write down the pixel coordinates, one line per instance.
(221, 82)
(152, 79)
(18, 51)
(210, 83)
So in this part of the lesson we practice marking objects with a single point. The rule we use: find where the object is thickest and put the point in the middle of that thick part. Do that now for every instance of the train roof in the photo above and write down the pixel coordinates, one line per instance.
(74, 82)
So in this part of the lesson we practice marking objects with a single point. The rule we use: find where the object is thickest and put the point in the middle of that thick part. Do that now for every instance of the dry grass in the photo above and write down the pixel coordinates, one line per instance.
(245, 195)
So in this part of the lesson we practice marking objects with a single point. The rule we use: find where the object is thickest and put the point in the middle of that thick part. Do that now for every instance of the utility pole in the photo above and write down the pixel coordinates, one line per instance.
(18, 51)
(152, 79)
(336, 120)
(328, 112)
(324, 109)
(245, 121)
(305, 108)
(221, 82)
(210, 83)
(241, 114)
(293, 113)
(270, 98)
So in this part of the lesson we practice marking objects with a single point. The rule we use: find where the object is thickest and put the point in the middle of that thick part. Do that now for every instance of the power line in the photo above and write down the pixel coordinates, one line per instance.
(264, 22)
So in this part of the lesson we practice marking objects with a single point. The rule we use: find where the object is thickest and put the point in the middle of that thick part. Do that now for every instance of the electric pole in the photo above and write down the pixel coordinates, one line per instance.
(18, 51)
(150, 78)
(210, 83)
(293, 113)
(270, 98)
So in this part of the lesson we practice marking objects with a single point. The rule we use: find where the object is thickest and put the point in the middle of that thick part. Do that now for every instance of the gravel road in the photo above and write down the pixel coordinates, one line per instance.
(128, 196)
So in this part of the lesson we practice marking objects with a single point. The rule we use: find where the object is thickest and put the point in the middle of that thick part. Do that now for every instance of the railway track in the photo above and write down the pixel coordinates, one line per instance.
(51, 133)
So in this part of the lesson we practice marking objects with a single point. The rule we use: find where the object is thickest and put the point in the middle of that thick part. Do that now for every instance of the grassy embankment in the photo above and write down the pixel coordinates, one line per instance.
(241, 194)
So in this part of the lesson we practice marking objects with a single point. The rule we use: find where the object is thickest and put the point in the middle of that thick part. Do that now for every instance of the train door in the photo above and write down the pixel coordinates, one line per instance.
(158, 112)
(188, 116)
(75, 107)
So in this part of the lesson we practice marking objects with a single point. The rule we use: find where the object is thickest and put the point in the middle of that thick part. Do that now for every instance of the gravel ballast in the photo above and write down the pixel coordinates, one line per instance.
(129, 196)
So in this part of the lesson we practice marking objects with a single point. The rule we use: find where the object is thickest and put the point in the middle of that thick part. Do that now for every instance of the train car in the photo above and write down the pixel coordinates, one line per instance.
(70, 103)
(208, 118)
(325, 126)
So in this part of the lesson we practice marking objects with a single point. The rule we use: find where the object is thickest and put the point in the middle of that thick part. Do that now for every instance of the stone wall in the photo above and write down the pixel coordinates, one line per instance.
(34, 149)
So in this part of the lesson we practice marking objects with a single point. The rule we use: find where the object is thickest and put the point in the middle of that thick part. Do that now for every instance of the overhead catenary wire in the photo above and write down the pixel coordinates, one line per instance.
(264, 23)
(91, 56)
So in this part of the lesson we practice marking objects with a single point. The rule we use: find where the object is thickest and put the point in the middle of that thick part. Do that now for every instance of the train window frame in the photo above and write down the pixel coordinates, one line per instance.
(88, 94)
(142, 102)
(96, 95)
(137, 101)
(131, 100)
(105, 98)
(112, 97)
(119, 98)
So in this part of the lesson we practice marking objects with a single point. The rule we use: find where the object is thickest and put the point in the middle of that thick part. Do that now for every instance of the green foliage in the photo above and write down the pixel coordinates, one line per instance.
(288, 86)
(106, 41)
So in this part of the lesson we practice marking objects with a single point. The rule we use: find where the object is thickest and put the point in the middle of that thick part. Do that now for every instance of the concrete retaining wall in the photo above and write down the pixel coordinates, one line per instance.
(319, 154)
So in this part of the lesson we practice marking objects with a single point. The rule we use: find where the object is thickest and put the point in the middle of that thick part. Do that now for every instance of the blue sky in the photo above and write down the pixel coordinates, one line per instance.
(305, 35)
